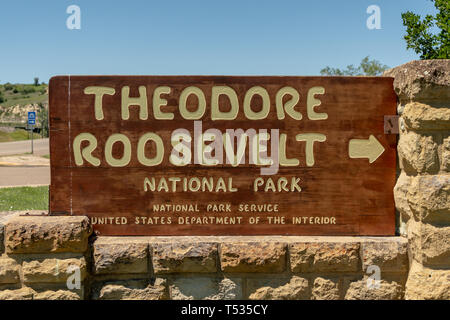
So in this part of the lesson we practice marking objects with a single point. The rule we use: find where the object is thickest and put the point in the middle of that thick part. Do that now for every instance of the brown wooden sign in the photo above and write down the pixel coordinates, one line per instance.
(223, 155)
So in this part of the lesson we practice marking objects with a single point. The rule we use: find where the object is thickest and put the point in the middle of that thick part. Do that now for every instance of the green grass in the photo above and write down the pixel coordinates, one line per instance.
(46, 156)
(12, 124)
(24, 198)
(17, 135)
(24, 94)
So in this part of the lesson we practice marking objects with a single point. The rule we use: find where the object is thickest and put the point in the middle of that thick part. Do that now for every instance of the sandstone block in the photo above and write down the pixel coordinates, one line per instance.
(422, 117)
(446, 154)
(173, 257)
(202, 288)
(53, 270)
(57, 295)
(4, 217)
(422, 80)
(427, 284)
(295, 288)
(418, 153)
(324, 257)
(429, 198)
(360, 290)
(133, 290)
(47, 234)
(19, 294)
(429, 245)
(253, 257)
(325, 289)
(401, 196)
(390, 255)
(2, 238)
(115, 255)
(9, 271)
(435, 243)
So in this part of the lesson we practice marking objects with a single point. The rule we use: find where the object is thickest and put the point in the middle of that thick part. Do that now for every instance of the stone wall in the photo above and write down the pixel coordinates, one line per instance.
(247, 267)
(39, 253)
(423, 187)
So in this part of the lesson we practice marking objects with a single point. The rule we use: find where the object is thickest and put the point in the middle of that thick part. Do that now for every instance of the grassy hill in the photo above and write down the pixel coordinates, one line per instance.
(23, 94)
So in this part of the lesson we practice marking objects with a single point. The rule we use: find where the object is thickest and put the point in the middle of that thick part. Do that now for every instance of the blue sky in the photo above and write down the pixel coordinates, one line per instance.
(246, 37)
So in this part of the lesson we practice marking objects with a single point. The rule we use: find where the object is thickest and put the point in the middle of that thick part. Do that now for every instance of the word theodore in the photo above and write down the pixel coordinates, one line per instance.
(212, 141)
(216, 113)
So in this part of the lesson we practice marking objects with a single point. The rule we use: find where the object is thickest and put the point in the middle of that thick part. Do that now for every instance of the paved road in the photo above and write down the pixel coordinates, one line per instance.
(24, 176)
(21, 147)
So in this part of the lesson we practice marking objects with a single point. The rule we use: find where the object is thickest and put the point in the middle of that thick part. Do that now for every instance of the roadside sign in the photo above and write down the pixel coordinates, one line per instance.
(189, 155)
(32, 117)
(32, 122)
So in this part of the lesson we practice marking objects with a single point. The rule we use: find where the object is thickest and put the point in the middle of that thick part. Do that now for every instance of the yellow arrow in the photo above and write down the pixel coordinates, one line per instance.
(365, 148)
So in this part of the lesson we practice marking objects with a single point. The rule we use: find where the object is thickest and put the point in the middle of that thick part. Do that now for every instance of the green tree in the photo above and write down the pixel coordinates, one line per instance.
(36, 81)
(420, 37)
(366, 68)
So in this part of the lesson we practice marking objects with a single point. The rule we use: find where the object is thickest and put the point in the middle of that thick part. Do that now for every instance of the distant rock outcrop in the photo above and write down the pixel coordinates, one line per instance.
(19, 113)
